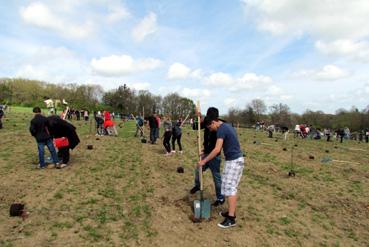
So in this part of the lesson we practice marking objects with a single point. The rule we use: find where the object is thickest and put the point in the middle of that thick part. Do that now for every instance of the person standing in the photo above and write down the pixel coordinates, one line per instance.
(153, 125)
(167, 135)
(1, 116)
(210, 139)
(176, 136)
(157, 133)
(78, 115)
(233, 167)
(39, 130)
(85, 115)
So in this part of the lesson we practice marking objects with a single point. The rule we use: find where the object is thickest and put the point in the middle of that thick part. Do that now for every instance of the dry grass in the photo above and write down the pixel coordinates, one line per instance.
(125, 193)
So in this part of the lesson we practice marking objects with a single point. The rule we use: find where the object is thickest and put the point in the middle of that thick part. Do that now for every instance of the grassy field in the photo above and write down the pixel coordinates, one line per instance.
(125, 193)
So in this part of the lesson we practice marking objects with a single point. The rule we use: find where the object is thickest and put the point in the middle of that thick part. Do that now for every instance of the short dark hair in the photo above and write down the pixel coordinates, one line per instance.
(36, 110)
(212, 114)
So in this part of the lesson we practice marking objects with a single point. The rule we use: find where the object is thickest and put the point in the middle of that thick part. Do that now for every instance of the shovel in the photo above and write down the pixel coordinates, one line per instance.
(201, 207)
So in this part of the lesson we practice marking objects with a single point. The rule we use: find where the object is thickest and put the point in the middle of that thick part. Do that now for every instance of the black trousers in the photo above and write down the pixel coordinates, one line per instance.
(178, 138)
(166, 141)
(63, 153)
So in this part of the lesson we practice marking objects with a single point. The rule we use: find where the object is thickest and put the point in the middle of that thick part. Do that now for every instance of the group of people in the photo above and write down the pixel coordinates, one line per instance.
(104, 124)
(172, 132)
(52, 131)
(77, 115)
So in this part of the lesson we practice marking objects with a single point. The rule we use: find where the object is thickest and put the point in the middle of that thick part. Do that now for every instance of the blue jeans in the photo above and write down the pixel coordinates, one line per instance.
(214, 166)
(41, 152)
(153, 135)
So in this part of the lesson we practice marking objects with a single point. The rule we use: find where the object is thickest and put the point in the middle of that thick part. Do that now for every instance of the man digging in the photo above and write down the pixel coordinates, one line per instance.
(233, 167)
(210, 139)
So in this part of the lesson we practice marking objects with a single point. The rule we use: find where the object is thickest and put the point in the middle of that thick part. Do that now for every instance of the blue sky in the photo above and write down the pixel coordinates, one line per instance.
(306, 54)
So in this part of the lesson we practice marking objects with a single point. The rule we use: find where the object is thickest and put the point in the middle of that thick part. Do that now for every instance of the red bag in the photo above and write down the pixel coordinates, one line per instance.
(61, 142)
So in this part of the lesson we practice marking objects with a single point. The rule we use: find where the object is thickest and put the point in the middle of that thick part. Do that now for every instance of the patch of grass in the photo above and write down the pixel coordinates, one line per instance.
(284, 220)
(62, 225)
(58, 195)
(108, 192)
(5, 243)
(351, 234)
(93, 232)
(291, 233)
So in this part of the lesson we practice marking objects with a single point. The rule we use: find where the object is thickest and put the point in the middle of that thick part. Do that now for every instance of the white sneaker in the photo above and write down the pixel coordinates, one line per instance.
(174, 151)
(181, 152)
(61, 166)
(167, 154)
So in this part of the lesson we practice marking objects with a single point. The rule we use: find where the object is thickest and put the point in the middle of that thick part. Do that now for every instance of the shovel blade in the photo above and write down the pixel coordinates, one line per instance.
(202, 209)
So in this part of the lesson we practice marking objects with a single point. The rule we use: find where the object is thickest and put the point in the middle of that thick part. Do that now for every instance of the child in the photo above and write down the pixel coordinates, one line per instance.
(233, 167)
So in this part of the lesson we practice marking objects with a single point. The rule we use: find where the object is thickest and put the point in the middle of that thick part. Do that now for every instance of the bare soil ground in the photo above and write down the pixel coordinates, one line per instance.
(125, 193)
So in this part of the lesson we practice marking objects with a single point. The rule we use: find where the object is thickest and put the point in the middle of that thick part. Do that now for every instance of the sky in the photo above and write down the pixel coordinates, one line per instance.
(306, 54)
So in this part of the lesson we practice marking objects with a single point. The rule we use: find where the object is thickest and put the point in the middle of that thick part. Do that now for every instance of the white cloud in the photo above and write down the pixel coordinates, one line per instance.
(341, 28)
(274, 90)
(219, 79)
(327, 73)
(119, 65)
(246, 82)
(325, 19)
(117, 12)
(195, 92)
(330, 72)
(52, 64)
(355, 50)
(178, 71)
(40, 15)
(145, 27)
(139, 85)
(252, 81)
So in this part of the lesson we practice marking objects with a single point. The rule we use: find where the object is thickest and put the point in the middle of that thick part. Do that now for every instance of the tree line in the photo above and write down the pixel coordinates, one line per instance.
(281, 115)
(24, 92)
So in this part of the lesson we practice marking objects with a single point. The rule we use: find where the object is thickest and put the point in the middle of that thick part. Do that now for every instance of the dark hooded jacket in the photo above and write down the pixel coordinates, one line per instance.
(40, 128)
(61, 128)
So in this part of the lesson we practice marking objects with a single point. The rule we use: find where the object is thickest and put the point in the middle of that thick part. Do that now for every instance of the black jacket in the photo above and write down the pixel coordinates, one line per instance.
(39, 128)
(210, 139)
(61, 128)
(152, 122)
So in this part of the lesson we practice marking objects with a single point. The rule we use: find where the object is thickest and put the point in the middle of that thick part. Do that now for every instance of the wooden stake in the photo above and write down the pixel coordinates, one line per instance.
(184, 120)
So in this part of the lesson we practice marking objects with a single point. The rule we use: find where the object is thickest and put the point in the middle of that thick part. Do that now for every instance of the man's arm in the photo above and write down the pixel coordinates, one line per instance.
(213, 153)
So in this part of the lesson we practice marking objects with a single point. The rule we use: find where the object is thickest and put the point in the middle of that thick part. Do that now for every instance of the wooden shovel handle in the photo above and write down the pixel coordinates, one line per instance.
(198, 111)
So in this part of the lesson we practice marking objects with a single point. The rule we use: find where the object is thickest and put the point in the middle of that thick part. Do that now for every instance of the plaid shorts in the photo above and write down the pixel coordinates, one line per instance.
(231, 176)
